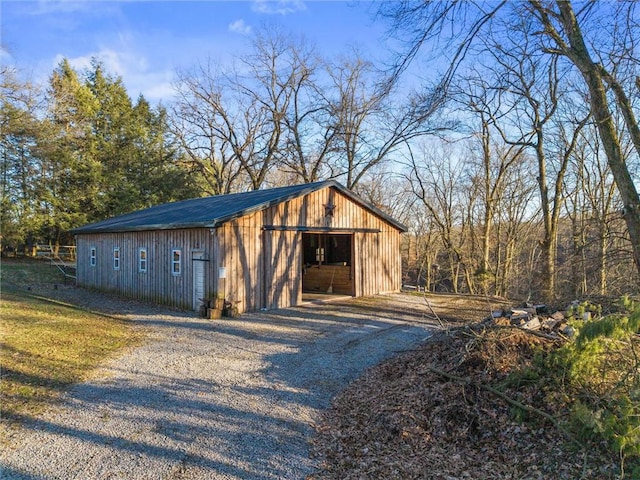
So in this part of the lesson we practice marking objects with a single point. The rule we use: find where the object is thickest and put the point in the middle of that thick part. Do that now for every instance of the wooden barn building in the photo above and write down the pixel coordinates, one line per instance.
(262, 249)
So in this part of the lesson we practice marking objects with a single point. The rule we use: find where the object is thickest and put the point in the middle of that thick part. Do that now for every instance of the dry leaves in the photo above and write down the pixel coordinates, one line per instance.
(402, 420)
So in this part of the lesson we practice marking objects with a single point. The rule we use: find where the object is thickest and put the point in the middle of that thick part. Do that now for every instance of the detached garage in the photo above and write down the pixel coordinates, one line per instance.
(259, 250)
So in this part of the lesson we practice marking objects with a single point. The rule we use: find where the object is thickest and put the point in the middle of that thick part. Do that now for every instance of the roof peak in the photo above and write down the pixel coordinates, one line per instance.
(212, 211)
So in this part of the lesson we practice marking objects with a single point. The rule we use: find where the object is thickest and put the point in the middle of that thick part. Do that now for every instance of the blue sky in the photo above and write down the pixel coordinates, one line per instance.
(144, 42)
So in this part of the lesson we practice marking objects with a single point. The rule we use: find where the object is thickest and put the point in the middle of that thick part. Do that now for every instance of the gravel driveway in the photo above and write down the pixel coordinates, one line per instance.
(214, 399)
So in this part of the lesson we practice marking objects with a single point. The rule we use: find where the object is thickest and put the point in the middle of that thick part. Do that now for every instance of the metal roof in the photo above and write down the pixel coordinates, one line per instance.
(210, 212)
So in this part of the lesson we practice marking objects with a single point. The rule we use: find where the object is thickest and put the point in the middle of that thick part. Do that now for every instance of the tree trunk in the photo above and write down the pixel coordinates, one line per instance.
(616, 160)
(498, 278)
(577, 52)
(549, 242)
(604, 236)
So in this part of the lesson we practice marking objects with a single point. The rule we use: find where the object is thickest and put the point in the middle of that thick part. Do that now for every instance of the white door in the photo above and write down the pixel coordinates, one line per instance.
(198, 279)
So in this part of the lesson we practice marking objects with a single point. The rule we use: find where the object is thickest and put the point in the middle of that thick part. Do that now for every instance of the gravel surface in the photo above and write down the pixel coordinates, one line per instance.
(214, 399)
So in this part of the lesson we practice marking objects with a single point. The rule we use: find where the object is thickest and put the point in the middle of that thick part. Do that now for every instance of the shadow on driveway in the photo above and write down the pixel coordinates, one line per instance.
(223, 399)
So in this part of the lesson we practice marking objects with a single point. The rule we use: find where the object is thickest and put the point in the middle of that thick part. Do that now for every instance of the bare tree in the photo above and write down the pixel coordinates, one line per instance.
(370, 126)
(206, 130)
(593, 206)
(420, 248)
(564, 36)
(440, 185)
(310, 132)
(277, 67)
(490, 159)
(549, 122)
(514, 229)
(560, 31)
(232, 124)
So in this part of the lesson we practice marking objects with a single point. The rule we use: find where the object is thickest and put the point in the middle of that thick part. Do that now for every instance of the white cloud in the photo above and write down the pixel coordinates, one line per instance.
(240, 27)
(279, 7)
(48, 7)
(5, 55)
(115, 63)
(155, 85)
(78, 63)
(160, 92)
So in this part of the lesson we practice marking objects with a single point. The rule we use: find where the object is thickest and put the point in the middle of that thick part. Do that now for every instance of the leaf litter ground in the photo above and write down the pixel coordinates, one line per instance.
(409, 419)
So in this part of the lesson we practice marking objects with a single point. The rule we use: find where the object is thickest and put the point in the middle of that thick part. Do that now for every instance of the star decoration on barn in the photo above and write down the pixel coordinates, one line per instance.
(329, 208)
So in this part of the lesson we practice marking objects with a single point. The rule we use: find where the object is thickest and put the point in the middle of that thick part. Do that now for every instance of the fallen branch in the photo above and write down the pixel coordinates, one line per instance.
(424, 296)
(555, 338)
(510, 401)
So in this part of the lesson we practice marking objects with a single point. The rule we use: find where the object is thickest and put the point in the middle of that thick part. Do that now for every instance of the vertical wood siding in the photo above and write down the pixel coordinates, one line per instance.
(238, 250)
(263, 267)
(157, 284)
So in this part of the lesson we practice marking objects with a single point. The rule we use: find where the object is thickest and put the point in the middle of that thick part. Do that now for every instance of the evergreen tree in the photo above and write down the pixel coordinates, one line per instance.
(101, 155)
(160, 174)
(68, 187)
(93, 154)
(18, 166)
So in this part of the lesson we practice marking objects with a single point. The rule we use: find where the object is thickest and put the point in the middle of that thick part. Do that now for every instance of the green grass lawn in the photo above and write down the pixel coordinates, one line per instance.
(24, 272)
(47, 346)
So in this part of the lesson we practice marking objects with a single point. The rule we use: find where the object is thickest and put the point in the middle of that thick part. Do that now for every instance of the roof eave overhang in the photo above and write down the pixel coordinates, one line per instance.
(139, 228)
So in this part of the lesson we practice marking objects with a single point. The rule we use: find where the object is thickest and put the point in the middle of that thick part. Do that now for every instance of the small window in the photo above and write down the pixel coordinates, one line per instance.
(116, 258)
(176, 262)
(142, 260)
(92, 257)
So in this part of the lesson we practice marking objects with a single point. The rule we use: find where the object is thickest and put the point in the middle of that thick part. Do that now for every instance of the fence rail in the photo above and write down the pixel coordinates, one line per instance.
(63, 252)
(63, 257)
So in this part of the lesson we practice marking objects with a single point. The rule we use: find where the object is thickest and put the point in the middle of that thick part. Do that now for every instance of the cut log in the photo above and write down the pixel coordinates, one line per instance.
(533, 324)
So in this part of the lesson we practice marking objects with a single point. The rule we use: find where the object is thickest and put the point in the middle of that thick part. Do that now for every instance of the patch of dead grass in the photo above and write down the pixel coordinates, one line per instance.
(48, 346)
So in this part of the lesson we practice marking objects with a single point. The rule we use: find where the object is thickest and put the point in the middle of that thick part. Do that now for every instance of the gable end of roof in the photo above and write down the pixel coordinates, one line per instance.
(211, 212)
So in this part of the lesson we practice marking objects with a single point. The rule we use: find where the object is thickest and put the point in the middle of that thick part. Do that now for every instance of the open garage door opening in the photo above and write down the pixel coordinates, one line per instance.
(328, 264)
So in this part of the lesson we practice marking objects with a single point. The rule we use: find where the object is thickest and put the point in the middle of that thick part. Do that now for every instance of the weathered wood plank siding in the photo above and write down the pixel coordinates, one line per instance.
(238, 250)
(376, 256)
(263, 265)
(158, 284)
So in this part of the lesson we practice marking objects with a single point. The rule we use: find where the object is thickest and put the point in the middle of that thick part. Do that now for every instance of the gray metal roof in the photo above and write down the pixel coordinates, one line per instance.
(210, 212)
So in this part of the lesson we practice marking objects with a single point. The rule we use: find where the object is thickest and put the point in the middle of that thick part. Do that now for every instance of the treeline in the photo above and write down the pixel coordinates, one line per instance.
(80, 152)
(539, 199)
(501, 169)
